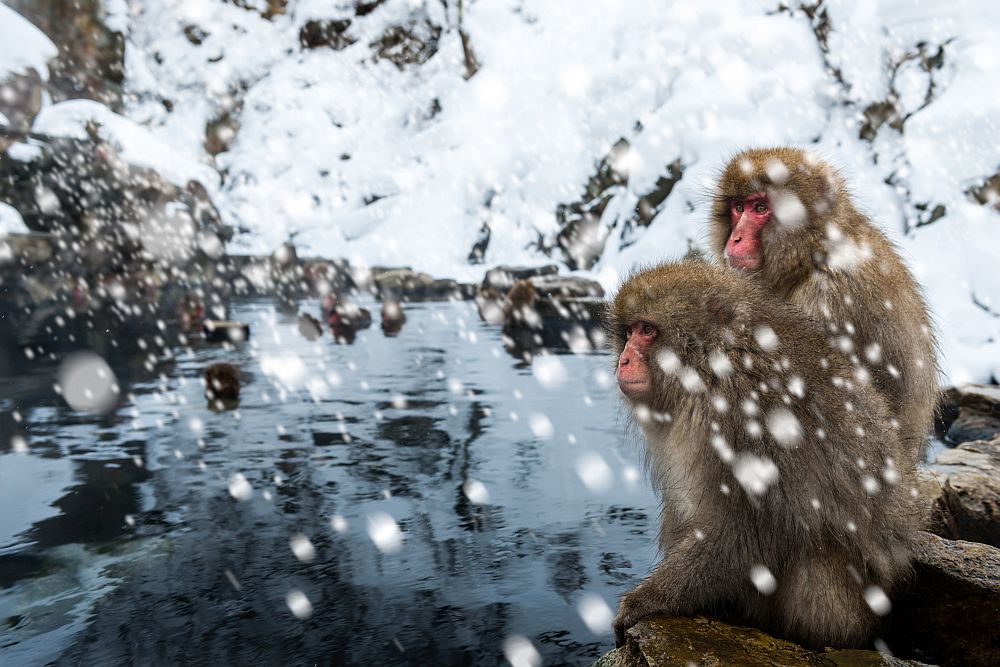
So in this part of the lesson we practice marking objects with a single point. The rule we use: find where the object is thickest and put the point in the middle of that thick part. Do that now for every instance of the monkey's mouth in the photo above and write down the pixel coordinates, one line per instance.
(748, 263)
(633, 388)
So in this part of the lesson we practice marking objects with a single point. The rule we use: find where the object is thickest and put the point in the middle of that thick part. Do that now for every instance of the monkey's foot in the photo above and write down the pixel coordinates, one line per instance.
(634, 606)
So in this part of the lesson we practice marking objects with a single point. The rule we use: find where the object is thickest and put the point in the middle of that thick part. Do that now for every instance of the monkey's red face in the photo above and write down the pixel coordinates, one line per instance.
(633, 364)
(748, 216)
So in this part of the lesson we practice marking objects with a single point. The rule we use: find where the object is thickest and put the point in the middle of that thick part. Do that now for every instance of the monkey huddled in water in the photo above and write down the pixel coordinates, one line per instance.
(222, 382)
(784, 478)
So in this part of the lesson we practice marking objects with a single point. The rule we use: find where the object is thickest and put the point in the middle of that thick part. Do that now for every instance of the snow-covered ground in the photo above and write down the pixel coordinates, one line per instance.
(355, 157)
(22, 46)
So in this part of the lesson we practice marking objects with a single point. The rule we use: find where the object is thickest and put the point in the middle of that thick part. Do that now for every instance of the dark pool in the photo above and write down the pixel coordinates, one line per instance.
(121, 541)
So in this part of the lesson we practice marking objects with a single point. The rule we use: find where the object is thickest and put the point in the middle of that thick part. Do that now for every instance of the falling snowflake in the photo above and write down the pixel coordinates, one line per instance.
(877, 600)
(87, 383)
(763, 580)
(784, 427)
(239, 487)
(720, 363)
(541, 426)
(549, 371)
(595, 472)
(754, 473)
(520, 652)
(766, 338)
(384, 532)
(595, 613)
(302, 548)
(476, 492)
(299, 604)
(668, 361)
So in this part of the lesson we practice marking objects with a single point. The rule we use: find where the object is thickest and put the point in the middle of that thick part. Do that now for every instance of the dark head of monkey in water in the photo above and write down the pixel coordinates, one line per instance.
(786, 501)
(222, 382)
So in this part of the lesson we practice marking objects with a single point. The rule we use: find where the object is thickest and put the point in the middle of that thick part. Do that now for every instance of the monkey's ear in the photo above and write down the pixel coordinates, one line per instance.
(722, 310)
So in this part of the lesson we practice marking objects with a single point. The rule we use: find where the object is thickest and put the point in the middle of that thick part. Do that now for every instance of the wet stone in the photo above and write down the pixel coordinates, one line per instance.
(973, 426)
(978, 412)
(561, 287)
(969, 503)
(980, 397)
(933, 503)
(684, 641)
(950, 610)
(408, 285)
(222, 331)
(946, 615)
(502, 278)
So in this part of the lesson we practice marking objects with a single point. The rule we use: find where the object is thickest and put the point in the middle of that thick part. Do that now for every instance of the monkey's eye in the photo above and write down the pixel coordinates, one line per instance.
(760, 207)
(738, 208)
(647, 329)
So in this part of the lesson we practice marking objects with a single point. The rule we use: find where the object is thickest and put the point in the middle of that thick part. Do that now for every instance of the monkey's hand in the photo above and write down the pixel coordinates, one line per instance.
(634, 606)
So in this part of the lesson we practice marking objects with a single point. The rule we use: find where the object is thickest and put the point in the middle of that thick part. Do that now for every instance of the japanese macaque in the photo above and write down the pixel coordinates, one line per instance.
(786, 221)
(785, 488)
(222, 382)
(344, 318)
(521, 320)
(393, 317)
(190, 312)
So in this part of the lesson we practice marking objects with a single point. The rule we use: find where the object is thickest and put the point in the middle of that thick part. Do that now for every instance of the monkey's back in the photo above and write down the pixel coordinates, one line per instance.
(796, 416)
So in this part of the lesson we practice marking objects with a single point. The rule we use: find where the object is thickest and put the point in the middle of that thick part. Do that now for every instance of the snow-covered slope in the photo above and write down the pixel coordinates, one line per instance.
(353, 156)
(22, 46)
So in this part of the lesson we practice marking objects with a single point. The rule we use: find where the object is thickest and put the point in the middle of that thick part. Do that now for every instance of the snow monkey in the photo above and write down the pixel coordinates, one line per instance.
(785, 490)
(222, 381)
(785, 220)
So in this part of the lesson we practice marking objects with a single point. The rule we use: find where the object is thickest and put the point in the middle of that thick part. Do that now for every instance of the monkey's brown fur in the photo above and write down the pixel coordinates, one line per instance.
(840, 269)
(222, 381)
(824, 535)
(520, 317)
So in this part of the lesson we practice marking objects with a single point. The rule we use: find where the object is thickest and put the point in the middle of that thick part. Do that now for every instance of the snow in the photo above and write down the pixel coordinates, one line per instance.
(349, 156)
(23, 47)
(11, 221)
(137, 144)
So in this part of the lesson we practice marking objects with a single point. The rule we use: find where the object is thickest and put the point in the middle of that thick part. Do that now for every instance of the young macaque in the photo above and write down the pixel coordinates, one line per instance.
(521, 321)
(785, 488)
(190, 312)
(222, 382)
(786, 221)
(393, 317)
(344, 318)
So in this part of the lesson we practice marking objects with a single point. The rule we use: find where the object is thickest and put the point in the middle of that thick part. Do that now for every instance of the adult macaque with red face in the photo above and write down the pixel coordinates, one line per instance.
(785, 221)
(749, 215)
(785, 490)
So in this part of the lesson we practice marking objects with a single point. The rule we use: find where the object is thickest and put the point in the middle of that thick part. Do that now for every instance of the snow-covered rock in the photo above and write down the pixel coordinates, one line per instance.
(23, 46)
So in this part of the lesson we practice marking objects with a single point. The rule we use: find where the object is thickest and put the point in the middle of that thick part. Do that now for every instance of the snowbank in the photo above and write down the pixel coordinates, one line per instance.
(11, 221)
(138, 145)
(23, 46)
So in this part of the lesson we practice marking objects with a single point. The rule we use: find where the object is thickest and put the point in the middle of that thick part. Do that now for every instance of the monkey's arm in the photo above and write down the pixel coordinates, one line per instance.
(689, 579)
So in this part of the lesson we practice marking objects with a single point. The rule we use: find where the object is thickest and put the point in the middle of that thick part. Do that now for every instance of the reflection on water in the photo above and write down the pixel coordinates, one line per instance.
(120, 541)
